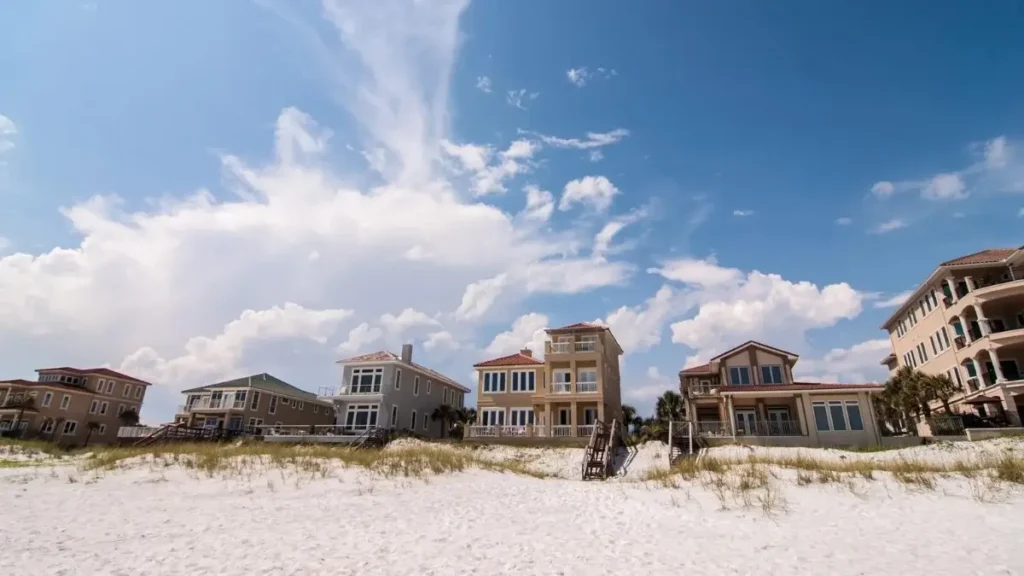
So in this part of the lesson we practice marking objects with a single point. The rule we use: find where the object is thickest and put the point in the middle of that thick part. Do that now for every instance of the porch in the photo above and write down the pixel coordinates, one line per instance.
(547, 420)
(767, 417)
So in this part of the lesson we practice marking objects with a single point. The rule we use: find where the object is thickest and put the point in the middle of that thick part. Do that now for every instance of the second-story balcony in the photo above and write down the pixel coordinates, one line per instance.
(567, 347)
(561, 388)
(350, 390)
(703, 389)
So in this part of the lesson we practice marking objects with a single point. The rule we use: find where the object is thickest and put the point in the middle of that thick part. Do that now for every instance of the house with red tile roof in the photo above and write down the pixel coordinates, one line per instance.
(559, 398)
(70, 406)
(748, 394)
(387, 390)
(966, 321)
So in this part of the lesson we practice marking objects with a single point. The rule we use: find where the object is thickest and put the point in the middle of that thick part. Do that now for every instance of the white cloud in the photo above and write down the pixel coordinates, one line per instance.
(527, 332)
(483, 84)
(889, 226)
(488, 178)
(844, 221)
(441, 340)
(594, 191)
(596, 156)
(8, 130)
(207, 359)
(895, 300)
(577, 76)
(186, 265)
(649, 390)
(883, 189)
(593, 139)
(742, 212)
(519, 98)
(1021, 213)
(4, 243)
(945, 187)
(539, 204)
(407, 319)
(472, 157)
(603, 239)
(360, 337)
(858, 364)
(733, 307)
(996, 152)
(639, 328)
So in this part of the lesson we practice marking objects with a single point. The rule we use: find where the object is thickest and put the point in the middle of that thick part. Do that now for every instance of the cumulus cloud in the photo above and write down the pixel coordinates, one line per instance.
(945, 187)
(359, 338)
(539, 204)
(527, 332)
(483, 84)
(883, 189)
(596, 192)
(894, 301)
(889, 226)
(639, 328)
(858, 364)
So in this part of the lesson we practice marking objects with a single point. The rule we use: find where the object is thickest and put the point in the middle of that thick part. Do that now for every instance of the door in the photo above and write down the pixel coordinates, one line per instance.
(563, 417)
(746, 422)
(589, 416)
(778, 422)
(1010, 370)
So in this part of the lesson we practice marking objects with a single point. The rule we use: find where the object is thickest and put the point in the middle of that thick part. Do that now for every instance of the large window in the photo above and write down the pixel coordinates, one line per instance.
(587, 380)
(361, 416)
(739, 375)
(492, 416)
(367, 380)
(273, 405)
(494, 382)
(70, 426)
(524, 381)
(521, 416)
(771, 374)
(562, 381)
(255, 403)
(836, 416)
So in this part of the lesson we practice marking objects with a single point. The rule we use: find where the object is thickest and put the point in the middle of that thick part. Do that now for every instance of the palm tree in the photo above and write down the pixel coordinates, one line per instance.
(669, 407)
(628, 415)
(939, 387)
(90, 428)
(445, 414)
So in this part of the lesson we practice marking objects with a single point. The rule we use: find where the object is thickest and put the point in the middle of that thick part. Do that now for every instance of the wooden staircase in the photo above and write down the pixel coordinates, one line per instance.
(182, 433)
(683, 440)
(372, 438)
(597, 458)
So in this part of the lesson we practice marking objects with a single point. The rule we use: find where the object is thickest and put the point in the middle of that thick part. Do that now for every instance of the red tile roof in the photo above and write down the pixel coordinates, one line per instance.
(577, 326)
(95, 372)
(517, 359)
(702, 369)
(989, 256)
(799, 387)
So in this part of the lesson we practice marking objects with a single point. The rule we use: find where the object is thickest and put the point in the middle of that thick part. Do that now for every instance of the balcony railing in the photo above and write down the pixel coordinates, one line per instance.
(561, 388)
(569, 347)
(695, 390)
(712, 428)
(769, 428)
(586, 387)
(561, 431)
(208, 403)
(585, 430)
(526, 431)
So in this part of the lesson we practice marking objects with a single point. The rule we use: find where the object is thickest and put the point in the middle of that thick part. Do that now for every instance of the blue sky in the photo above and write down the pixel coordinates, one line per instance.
(904, 116)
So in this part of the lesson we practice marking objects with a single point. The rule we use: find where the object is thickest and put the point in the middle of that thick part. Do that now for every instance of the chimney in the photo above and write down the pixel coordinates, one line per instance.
(526, 352)
(407, 353)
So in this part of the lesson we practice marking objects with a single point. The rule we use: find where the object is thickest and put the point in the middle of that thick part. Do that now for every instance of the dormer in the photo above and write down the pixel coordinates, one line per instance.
(749, 364)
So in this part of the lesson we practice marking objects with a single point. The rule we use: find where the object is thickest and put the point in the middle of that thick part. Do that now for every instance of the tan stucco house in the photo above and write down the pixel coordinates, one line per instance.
(748, 394)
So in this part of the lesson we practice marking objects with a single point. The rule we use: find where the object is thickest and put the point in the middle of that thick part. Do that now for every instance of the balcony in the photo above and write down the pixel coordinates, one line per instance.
(699, 390)
(563, 347)
(586, 387)
(349, 390)
(208, 403)
(561, 388)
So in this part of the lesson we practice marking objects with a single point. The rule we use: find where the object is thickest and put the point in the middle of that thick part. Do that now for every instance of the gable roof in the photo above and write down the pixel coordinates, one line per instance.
(980, 258)
(95, 372)
(754, 343)
(385, 356)
(264, 382)
(517, 359)
(702, 369)
(585, 327)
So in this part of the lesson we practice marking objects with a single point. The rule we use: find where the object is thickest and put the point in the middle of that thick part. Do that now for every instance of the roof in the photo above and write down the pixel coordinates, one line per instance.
(517, 359)
(702, 369)
(385, 356)
(980, 258)
(96, 372)
(264, 382)
(753, 343)
(799, 387)
(35, 384)
(577, 327)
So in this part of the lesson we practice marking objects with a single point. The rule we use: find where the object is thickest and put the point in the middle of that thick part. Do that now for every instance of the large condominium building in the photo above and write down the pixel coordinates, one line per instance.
(966, 320)
(70, 406)
(562, 396)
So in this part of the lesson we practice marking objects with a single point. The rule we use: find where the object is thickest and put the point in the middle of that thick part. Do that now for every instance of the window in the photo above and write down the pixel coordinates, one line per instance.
(102, 429)
(316, 409)
(415, 388)
(494, 382)
(821, 417)
(302, 405)
(426, 422)
(100, 385)
(110, 386)
(398, 378)
(65, 402)
(366, 380)
(255, 402)
(562, 381)
(127, 391)
(838, 416)
(444, 395)
(138, 393)
(47, 398)
(492, 416)
(273, 405)
(853, 415)
(587, 380)
(954, 375)
(47, 427)
(739, 375)
(69, 428)
(284, 400)
(835, 412)
(361, 416)
(428, 387)
(103, 408)
(521, 416)
(935, 350)
(524, 381)
(771, 374)
(412, 420)
(394, 415)
(93, 407)
(922, 354)
(120, 409)
(945, 337)
(913, 318)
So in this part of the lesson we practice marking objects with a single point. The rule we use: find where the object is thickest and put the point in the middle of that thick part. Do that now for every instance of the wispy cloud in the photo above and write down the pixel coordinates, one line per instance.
(593, 139)
(8, 130)
(889, 226)
(844, 221)
(483, 84)
(518, 98)
(581, 75)
(894, 300)
(742, 213)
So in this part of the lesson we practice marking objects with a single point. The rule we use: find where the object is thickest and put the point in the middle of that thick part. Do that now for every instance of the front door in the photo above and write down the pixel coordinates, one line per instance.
(778, 421)
(745, 422)
(563, 417)
(589, 416)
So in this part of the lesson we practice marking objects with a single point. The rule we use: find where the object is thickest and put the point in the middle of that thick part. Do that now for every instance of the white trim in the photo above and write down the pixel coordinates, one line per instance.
(394, 416)
(47, 399)
(413, 421)
(272, 409)
(494, 420)
(416, 385)
(64, 428)
(782, 374)
(138, 392)
(845, 407)
(94, 406)
(494, 381)
(398, 378)
(127, 390)
(728, 374)
(254, 403)
(103, 407)
(426, 422)
(110, 387)
(376, 374)
(428, 386)
(65, 402)
(47, 426)
(517, 415)
(521, 381)
(102, 429)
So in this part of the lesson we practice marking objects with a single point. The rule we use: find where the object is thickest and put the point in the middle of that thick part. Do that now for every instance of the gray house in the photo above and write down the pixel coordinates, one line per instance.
(388, 390)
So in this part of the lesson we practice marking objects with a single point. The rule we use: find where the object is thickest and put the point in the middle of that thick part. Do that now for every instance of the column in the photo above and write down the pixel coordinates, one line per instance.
(732, 416)
(951, 282)
(573, 421)
(978, 374)
(969, 280)
(801, 417)
(994, 356)
(1010, 406)
(600, 411)
(982, 321)
(867, 416)
(550, 418)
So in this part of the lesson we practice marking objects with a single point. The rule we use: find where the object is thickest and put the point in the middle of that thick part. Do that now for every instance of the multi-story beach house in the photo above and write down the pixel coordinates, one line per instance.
(748, 394)
(966, 320)
(388, 390)
(562, 396)
(70, 406)
(252, 403)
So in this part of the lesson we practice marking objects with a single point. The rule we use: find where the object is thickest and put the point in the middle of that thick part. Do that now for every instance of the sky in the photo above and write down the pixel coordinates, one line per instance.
(192, 191)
